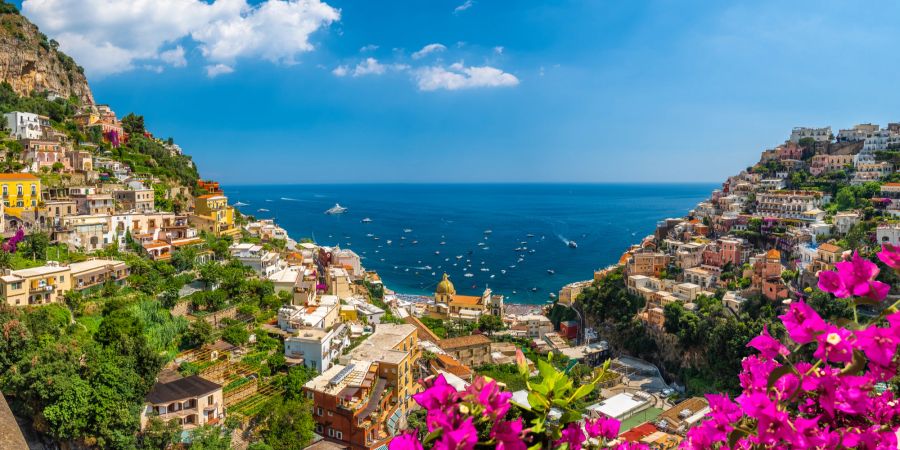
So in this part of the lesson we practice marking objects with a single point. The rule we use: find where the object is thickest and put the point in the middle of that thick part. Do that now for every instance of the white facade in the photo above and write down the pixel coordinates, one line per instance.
(24, 125)
(818, 134)
(888, 234)
(318, 348)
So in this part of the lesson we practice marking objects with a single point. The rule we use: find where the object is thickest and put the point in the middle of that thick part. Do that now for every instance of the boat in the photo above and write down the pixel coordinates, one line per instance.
(552, 295)
(551, 271)
(443, 243)
(367, 220)
(336, 209)
(488, 231)
(437, 252)
(370, 235)
(514, 292)
(389, 242)
(415, 242)
(468, 275)
(492, 275)
(407, 230)
(573, 244)
(503, 271)
(239, 204)
(262, 210)
(481, 244)
(485, 269)
(485, 248)
(459, 256)
(529, 235)
(534, 289)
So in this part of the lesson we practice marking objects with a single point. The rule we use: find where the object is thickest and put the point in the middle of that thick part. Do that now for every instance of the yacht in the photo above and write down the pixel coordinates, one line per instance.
(407, 230)
(503, 271)
(573, 244)
(488, 231)
(389, 242)
(370, 235)
(367, 220)
(551, 271)
(468, 275)
(239, 204)
(336, 209)
(262, 210)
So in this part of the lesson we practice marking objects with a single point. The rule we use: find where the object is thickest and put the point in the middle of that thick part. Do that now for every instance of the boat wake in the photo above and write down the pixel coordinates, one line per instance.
(288, 199)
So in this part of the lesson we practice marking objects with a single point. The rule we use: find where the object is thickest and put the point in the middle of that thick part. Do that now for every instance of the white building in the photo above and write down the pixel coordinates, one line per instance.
(888, 233)
(318, 348)
(621, 406)
(264, 262)
(24, 125)
(881, 140)
(818, 134)
(845, 220)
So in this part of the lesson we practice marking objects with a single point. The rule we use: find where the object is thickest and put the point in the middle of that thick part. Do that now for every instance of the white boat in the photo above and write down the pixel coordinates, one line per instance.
(262, 210)
(367, 220)
(485, 269)
(503, 271)
(468, 275)
(488, 231)
(437, 252)
(240, 204)
(369, 235)
(573, 244)
(336, 209)
(551, 271)
(407, 230)
(389, 242)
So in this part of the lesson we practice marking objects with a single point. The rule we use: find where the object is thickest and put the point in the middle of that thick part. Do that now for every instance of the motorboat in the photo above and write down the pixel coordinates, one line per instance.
(336, 209)
(407, 230)
(573, 244)
(488, 231)
(468, 275)
(551, 271)
(367, 220)
(239, 204)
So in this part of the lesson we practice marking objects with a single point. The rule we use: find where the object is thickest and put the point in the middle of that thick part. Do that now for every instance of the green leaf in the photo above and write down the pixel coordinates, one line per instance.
(582, 391)
(431, 436)
(535, 446)
(541, 388)
(537, 401)
(857, 364)
(734, 436)
(778, 373)
(865, 301)
(545, 369)
(562, 385)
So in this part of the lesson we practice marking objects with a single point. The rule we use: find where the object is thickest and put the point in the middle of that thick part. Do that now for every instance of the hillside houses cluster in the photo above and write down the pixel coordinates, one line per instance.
(771, 228)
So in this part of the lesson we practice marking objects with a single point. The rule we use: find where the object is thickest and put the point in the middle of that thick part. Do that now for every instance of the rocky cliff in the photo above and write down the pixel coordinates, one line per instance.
(31, 62)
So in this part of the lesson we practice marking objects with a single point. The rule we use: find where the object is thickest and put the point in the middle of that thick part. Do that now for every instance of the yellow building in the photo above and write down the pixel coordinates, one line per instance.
(36, 286)
(396, 350)
(449, 304)
(21, 192)
(213, 215)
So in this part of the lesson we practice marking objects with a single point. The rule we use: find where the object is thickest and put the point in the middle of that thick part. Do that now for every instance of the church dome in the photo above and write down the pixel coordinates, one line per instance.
(445, 287)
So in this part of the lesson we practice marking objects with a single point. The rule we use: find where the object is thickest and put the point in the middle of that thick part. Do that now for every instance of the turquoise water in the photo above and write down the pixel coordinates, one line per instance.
(603, 219)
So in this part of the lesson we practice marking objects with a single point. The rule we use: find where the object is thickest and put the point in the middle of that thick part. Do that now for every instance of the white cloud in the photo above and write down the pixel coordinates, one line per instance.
(112, 36)
(340, 71)
(174, 57)
(370, 66)
(430, 48)
(368, 48)
(458, 76)
(498, 50)
(466, 5)
(215, 70)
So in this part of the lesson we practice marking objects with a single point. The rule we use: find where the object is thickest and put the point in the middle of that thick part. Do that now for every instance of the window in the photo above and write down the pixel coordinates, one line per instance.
(34, 203)
(19, 189)
(319, 428)
(33, 190)
(331, 432)
(319, 410)
(330, 413)
(339, 435)
(20, 204)
(5, 190)
(209, 400)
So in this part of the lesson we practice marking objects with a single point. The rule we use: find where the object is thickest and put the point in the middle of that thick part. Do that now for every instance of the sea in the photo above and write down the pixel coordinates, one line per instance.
(513, 238)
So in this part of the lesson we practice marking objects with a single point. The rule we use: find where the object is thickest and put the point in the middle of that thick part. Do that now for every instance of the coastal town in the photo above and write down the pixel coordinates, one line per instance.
(141, 309)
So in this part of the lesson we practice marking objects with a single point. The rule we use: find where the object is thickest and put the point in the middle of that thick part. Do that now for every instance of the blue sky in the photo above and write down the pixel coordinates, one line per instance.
(586, 91)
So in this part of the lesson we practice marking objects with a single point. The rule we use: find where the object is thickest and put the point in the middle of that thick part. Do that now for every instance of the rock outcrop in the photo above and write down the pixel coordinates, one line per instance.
(30, 62)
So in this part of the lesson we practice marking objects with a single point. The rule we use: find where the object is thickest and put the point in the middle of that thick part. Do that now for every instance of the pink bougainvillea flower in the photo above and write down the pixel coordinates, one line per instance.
(890, 256)
(854, 278)
(605, 427)
(489, 395)
(463, 437)
(508, 435)
(879, 344)
(571, 435)
(768, 346)
(835, 345)
(802, 322)
(437, 394)
(406, 441)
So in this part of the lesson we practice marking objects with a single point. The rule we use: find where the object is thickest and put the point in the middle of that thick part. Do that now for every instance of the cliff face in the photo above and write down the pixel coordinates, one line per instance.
(30, 62)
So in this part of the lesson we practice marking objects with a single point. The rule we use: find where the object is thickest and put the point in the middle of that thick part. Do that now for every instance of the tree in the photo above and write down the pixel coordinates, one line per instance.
(35, 245)
(210, 437)
(489, 323)
(199, 332)
(160, 434)
(133, 124)
(287, 424)
(236, 334)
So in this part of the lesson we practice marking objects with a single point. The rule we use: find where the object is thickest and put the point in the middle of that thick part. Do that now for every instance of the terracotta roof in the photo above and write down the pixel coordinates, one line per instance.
(467, 300)
(156, 244)
(464, 341)
(17, 176)
(773, 254)
(891, 184)
(829, 248)
(693, 404)
(639, 432)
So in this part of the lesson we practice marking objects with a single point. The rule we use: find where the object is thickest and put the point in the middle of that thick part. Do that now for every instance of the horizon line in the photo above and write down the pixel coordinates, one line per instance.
(465, 183)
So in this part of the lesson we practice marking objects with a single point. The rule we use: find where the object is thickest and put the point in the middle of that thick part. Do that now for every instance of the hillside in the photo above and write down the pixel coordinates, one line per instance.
(29, 61)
